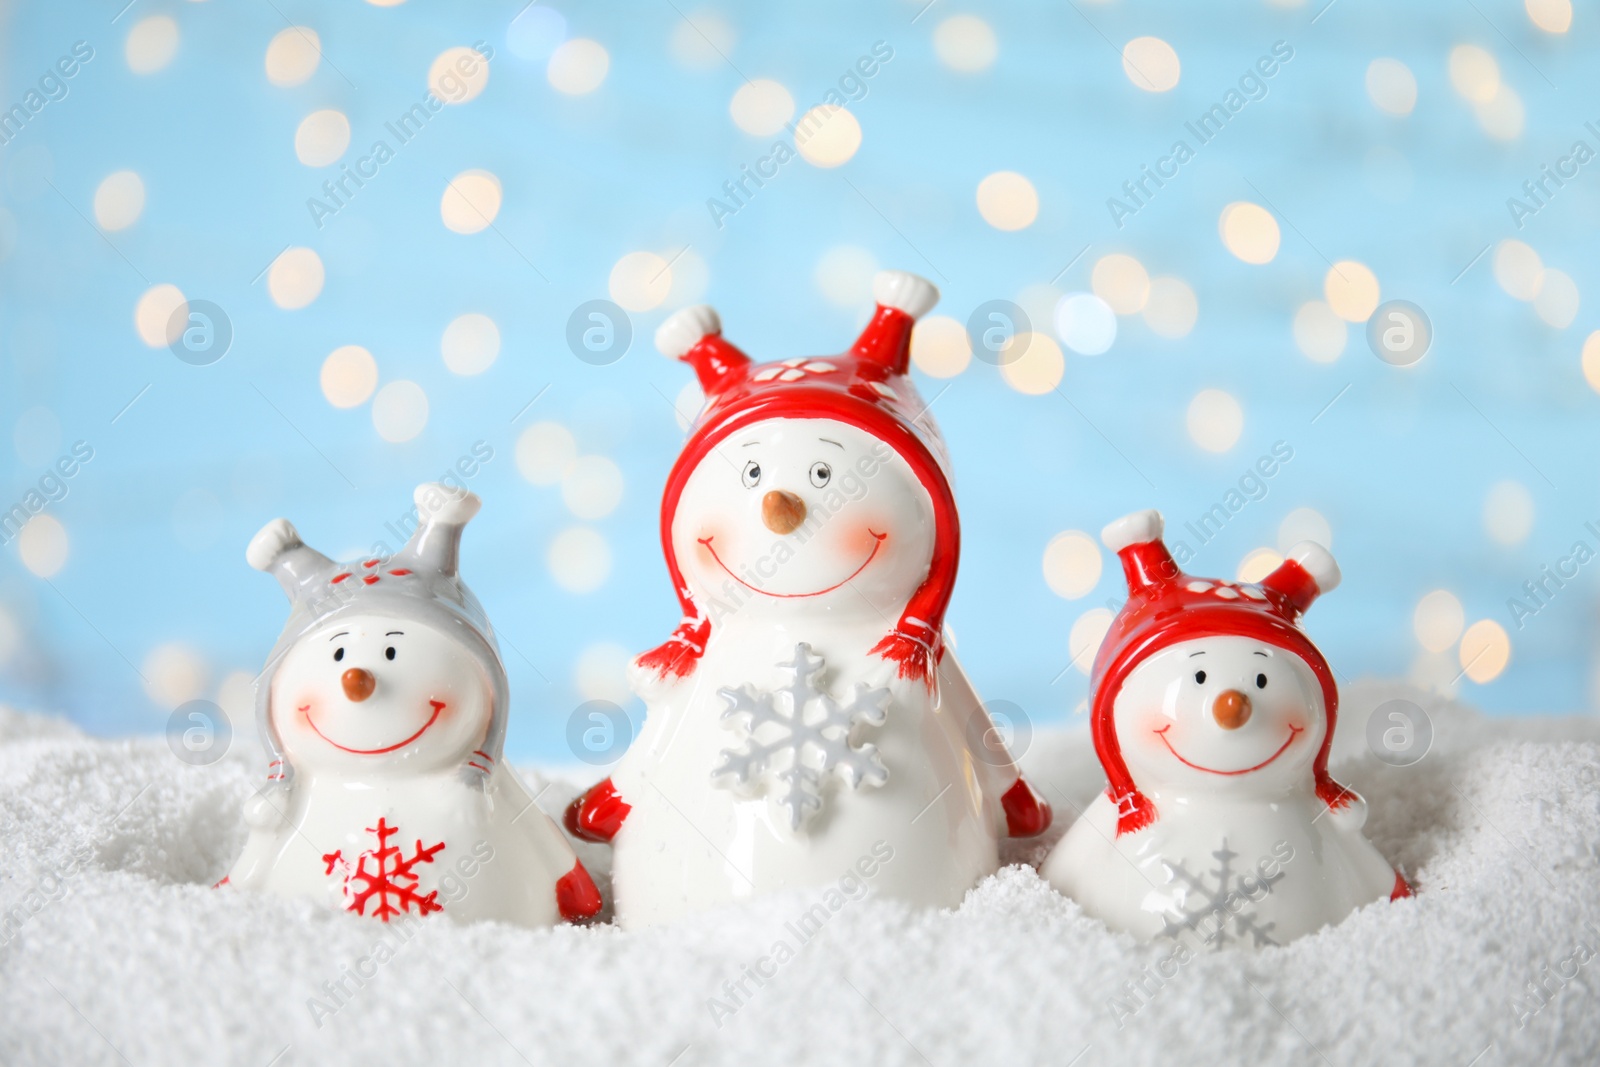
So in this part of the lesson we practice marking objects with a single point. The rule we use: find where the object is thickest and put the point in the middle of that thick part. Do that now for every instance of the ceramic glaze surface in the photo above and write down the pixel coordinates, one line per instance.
(1212, 713)
(370, 692)
(807, 717)
(1179, 732)
(1242, 851)
(691, 841)
(384, 705)
(863, 539)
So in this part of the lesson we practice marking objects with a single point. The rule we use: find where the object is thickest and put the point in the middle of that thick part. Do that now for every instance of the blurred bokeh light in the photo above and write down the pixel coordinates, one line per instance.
(259, 262)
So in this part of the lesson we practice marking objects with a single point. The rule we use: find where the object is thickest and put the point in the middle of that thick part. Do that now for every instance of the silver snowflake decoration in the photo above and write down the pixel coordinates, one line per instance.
(1222, 909)
(793, 737)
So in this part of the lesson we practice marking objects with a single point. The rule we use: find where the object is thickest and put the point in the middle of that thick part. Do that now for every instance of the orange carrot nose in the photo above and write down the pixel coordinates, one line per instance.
(358, 683)
(1231, 709)
(782, 511)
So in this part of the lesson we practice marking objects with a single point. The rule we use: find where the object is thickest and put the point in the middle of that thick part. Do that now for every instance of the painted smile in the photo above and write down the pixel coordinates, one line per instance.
(438, 706)
(1294, 732)
(877, 544)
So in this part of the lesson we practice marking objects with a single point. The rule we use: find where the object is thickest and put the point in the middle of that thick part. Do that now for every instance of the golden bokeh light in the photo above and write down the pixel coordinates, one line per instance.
(349, 375)
(1033, 364)
(1122, 282)
(939, 346)
(827, 136)
(1352, 290)
(1249, 231)
(293, 55)
(1072, 564)
(1215, 420)
(1151, 64)
(470, 201)
(578, 66)
(119, 200)
(1485, 651)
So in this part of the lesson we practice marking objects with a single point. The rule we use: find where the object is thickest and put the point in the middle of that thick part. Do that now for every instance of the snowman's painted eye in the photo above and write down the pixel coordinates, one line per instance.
(338, 654)
(820, 473)
(388, 653)
(752, 474)
(1261, 681)
(1200, 677)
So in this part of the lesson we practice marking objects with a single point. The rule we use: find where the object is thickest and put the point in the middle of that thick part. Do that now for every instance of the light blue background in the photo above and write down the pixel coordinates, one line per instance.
(1400, 465)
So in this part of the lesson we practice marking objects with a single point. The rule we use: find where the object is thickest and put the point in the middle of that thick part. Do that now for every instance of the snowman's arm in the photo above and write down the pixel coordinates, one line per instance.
(598, 814)
(577, 897)
(267, 825)
(1027, 813)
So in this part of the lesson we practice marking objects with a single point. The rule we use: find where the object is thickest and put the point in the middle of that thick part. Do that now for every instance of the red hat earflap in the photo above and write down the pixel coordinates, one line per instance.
(916, 644)
(1306, 573)
(1149, 569)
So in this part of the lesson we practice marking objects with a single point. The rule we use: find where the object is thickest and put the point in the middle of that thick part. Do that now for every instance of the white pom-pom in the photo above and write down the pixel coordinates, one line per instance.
(686, 328)
(270, 542)
(1318, 562)
(905, 291)
(1133, 529)
(441, 503)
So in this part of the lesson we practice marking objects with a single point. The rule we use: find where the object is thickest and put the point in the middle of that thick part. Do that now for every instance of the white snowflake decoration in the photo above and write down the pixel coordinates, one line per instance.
(796, 735)
(1216, 903)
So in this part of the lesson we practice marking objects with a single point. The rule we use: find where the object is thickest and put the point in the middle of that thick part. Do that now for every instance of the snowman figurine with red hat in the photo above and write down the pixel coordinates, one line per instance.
(807, 720)
(384, 706)
(1213, 714)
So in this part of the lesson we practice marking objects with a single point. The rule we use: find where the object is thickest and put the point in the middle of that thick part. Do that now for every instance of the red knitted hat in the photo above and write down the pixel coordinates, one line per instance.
(867, 387)
(1166, 606)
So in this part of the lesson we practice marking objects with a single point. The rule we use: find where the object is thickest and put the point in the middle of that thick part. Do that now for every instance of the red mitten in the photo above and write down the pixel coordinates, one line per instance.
(1027, 813)
(576, 895)
(598, 814)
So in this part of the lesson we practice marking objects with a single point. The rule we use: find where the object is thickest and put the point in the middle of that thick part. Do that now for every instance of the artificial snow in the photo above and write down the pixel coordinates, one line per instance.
(114, 947)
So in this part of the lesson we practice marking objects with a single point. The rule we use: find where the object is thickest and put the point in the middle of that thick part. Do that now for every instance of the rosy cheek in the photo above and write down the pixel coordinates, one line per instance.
(293, 712)
(711, 540)
(859, 542)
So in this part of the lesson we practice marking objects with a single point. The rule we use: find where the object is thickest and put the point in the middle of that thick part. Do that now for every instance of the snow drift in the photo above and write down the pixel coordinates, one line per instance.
(114, 948)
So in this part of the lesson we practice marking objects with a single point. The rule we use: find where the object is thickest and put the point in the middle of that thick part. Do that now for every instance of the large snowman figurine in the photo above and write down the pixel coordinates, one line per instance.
(384, 707)
(807, 722)
(1213, 714)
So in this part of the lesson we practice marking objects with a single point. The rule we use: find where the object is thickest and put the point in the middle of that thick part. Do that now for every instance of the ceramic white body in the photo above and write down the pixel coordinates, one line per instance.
(397, 755)
(690, 843)
(1319, 864)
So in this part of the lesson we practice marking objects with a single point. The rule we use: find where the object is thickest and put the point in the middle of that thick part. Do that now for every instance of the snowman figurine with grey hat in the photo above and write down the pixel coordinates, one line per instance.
(384, 707)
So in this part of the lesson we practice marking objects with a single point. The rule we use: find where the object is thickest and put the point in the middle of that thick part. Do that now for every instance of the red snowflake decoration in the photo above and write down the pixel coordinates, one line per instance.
(389, 879)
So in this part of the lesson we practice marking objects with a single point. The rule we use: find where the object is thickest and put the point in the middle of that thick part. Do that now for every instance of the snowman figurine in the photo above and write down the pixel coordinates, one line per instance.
(807, 720)
(1213, 715)
(384, 708)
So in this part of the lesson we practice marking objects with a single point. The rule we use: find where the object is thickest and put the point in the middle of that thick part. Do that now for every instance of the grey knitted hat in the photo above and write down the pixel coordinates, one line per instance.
(419, 583)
